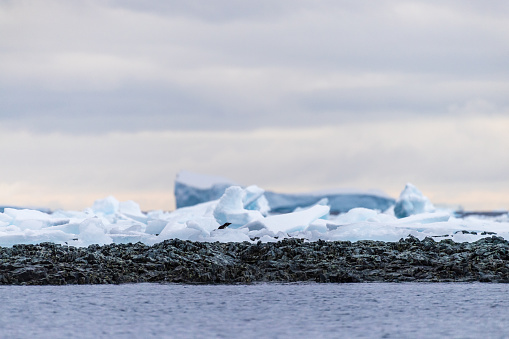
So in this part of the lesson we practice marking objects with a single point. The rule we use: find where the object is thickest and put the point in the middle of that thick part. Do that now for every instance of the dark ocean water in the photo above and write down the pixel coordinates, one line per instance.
(378, 310)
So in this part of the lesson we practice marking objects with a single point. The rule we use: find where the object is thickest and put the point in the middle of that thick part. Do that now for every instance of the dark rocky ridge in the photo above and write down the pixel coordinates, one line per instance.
(290, 260)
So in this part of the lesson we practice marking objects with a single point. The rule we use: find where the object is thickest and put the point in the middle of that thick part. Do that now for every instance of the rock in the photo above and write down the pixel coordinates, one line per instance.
(289, 260)
(28, 274)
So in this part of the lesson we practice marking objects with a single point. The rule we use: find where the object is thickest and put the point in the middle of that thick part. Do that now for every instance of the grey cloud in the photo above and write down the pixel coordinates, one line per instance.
(221, 11)
(174, 109)
(96, 112)
(217, 11)
(245, 65)
(229, 10)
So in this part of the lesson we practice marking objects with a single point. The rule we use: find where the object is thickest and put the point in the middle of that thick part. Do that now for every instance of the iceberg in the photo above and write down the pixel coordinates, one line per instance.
(192, 188)
(40, 209)
(340, 201)
(411, 201)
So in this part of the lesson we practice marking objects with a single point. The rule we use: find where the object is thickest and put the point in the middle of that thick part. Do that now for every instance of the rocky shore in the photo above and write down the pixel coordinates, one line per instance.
(290, 260)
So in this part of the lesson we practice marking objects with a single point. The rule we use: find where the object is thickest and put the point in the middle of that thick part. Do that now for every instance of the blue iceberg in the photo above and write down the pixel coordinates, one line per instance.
(192, 189)
(411, 201)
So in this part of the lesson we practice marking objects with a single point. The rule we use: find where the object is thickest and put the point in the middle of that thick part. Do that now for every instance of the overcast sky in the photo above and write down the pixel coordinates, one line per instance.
(115, 97)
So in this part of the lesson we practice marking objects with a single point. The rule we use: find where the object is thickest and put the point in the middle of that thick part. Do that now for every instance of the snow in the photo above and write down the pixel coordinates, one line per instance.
(247, 212)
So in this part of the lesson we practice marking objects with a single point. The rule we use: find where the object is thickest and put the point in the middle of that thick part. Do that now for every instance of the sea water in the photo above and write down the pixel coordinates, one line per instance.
(369, 310)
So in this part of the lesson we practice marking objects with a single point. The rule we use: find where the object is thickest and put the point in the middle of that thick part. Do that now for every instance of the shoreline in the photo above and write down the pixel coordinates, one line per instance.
(289, 260)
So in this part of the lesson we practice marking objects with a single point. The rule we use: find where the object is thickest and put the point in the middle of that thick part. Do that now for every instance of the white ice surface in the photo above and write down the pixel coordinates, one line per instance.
(291, 222)
(111, 221)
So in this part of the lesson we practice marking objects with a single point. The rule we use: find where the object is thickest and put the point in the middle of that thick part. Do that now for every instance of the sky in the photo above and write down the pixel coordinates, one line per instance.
(115, 97)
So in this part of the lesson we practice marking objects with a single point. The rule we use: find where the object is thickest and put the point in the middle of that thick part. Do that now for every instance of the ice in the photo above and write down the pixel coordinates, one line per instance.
(18, 215)
(290, 222)
(192, 188)
(40, 209)
(178, 219)
(340, 201)
(25, 219)
(412, 201)
(255, 200)
(72, 228)
(181, 232)
(367, 231)
(4, 218)
(247, 211)
(106, 206)
(32, 224)
(126, 227)
(229, 235)
(130, 208)
(9, 238)
(194, 224)
(319, 225)
(231, 207)
(155, 226)
(425, 218)
(360, 214)
(93, 231)
(127, 238)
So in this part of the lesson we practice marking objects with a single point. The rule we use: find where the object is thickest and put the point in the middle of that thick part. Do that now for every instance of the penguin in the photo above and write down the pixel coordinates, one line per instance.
(226, 224)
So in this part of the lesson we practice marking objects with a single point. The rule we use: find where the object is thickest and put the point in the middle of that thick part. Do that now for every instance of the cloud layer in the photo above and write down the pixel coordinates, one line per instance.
(114, 97)
(98, 66)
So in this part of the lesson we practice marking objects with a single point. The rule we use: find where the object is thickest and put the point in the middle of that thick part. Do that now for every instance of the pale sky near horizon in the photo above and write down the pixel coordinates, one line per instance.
(115, 97)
